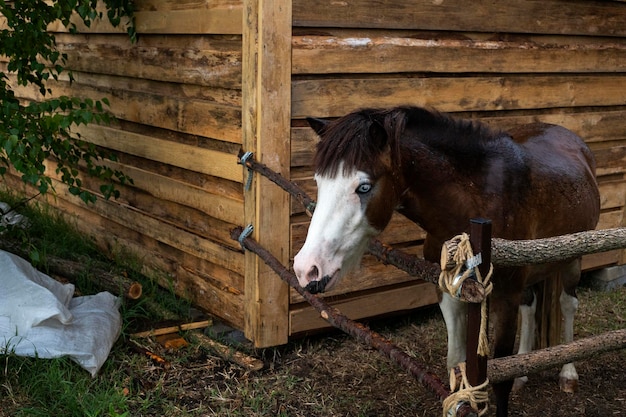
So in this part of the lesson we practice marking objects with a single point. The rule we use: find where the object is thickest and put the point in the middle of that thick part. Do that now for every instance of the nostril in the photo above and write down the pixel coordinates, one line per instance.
(313, 274)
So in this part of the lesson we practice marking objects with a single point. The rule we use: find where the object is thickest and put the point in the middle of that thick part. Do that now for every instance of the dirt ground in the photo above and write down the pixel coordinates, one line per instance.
(332, 375)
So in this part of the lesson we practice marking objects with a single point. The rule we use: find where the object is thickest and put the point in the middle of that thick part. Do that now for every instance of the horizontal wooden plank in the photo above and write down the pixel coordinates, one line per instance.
(610, 161)
(208, 60)
(160, 16)
(148, 102)
(212, 223)
(190, 157)
(595, 18)
(163, 232)
(162, 188)
(392, 52)
(601, 125)
(601, 260)
(339, 96)
(303, 318)
(612, 195)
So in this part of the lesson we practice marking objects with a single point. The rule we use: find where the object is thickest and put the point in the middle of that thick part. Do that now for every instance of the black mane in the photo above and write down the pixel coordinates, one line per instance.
(358, 138)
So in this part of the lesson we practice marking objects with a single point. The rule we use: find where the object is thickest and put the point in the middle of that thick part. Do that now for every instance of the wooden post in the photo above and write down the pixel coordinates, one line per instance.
(476, 366)
(266, 124)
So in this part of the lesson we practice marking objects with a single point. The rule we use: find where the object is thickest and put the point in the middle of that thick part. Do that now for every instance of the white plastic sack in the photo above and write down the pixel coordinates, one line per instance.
(40, 318)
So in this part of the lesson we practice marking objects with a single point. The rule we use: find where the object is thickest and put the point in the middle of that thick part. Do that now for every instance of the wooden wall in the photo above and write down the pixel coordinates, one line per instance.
(208, 78)
(509, 62)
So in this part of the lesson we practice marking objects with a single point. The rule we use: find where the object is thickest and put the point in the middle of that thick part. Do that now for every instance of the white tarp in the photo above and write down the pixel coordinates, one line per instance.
(39, 317)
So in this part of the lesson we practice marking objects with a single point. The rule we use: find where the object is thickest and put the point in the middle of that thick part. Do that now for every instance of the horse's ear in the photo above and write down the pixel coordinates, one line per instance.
(317, 124)
(378, 135)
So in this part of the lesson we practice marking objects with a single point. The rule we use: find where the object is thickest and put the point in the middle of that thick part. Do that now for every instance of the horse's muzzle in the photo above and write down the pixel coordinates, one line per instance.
(316, 287)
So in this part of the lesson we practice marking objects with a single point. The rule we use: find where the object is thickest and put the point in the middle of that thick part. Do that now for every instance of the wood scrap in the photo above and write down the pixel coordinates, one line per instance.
(157, 359)
(174, 329)
(172, 341)
(229, 353)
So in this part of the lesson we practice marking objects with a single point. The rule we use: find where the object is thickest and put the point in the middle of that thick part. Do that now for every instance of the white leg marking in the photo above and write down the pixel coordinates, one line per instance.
(527, 331)
(455, 315)
(568, 378)
(527, 336)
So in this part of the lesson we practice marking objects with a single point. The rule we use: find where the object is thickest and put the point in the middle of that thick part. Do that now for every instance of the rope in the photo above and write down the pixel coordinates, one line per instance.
(465, 394)
(459, 263)
(244, 158)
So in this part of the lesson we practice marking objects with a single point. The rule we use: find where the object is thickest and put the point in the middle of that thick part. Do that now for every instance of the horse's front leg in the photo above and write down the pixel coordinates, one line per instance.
(454, 314)
(527, 331)
(568, 378)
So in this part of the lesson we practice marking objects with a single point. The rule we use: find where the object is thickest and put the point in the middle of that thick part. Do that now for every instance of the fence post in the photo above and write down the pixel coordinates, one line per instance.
(480, 239)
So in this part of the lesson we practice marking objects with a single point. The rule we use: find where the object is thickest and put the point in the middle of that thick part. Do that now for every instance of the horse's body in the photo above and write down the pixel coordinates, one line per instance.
(532, 182)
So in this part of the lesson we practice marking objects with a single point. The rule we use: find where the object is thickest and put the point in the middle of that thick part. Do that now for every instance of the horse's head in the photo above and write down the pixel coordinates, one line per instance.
(356, 181)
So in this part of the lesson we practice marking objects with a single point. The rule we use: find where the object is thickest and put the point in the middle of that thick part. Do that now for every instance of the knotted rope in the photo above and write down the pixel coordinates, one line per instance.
(458, 263)
(465, 394)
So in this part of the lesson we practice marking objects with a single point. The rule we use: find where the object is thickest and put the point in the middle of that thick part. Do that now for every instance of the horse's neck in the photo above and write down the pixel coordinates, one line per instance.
(435, 194)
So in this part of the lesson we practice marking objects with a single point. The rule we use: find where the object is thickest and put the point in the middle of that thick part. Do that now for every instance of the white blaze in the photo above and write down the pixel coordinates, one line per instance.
(339, 231)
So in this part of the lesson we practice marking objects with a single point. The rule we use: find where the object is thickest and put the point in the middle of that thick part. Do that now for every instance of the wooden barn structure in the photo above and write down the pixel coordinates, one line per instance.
(207, 78)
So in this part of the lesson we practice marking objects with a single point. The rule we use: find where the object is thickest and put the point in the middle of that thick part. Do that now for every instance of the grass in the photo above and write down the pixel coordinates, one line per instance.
(33, 387)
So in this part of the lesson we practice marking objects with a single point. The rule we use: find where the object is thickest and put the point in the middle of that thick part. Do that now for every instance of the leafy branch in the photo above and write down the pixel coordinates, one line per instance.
(31, 133)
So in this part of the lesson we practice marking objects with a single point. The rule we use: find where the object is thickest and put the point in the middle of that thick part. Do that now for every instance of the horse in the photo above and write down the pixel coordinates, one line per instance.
(532, 181)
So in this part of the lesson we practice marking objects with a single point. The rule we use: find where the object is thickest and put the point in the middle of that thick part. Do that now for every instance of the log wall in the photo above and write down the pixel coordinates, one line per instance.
(208, 78)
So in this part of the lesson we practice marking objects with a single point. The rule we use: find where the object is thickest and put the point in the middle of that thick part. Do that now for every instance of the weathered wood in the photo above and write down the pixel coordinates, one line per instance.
(160, 16)
(524, 252)
(182, 327)
(593, 18)
(350, 52)
(145, 103)
(149, 188)
(503, 369)
(266, 124)
(229, 353)
(190, 157)
(338, 96)
(206, 61)
(162, 232)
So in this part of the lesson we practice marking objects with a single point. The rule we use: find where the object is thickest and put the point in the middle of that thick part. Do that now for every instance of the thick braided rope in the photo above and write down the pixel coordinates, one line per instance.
(457, 264)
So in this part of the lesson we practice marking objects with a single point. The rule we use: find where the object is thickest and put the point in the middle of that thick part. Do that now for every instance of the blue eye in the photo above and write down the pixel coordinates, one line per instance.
(364, 188)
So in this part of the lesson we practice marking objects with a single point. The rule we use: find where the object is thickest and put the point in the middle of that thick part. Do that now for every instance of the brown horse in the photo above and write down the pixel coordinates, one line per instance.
(534, 181)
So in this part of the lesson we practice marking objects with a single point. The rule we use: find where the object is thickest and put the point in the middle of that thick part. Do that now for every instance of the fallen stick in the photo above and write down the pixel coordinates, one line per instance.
(507, 368)
(114, 283)
(174, 329)
(229, 354)
(354, 329)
